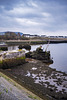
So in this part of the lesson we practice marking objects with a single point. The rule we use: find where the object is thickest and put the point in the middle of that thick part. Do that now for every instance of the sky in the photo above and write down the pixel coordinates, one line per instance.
(42, 17)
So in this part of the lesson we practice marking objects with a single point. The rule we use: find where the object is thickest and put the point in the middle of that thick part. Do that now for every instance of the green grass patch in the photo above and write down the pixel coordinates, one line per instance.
(1, 62)
(32, 97)
(0, 93)
(20, 58)
(6, 90)
(10, 89)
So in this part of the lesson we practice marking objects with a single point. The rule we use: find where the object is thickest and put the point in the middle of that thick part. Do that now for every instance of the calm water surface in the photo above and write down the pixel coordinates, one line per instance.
(58, 53)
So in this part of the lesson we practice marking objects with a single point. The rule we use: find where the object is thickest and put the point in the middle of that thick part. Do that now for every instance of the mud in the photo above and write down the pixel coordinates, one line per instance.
(39, 78)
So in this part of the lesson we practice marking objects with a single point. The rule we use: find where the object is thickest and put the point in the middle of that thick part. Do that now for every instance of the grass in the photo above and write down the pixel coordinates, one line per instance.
(1, 62)
(20, 58)
(8, 79)
(0, 50)
(6, 90)
(32, 97)
(0, 93)
(10, 89)
(20, 50)
(14, 84)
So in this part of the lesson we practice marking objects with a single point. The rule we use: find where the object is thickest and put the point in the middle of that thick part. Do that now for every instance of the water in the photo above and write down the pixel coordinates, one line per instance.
(58, 53)
(12, 48)
(2, 43)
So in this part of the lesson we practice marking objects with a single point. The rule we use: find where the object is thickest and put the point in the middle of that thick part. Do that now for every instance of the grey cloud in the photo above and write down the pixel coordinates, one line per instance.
(50, 15)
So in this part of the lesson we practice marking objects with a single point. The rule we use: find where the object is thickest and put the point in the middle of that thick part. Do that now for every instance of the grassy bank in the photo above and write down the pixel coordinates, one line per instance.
(26, 42)
(34, 42)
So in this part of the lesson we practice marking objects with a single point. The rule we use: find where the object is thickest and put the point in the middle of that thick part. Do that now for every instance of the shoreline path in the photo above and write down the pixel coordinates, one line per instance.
(9, 91)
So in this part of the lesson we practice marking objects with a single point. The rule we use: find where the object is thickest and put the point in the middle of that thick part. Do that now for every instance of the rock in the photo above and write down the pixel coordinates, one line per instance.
(26, 46)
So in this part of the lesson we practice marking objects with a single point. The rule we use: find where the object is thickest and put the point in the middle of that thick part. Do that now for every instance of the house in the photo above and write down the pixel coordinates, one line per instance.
(53, 36)
(30, 36)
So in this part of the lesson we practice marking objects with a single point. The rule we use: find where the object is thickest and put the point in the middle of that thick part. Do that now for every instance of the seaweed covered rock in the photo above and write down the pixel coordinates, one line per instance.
(20, 47)
(10, 63)
(28, 55)
(40, 55)
(26, 46)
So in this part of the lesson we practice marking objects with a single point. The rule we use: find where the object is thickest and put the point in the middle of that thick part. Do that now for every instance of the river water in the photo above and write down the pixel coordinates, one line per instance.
(58, 53)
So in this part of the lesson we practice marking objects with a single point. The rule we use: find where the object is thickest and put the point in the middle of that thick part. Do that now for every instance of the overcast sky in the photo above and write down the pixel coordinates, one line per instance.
(48, 17)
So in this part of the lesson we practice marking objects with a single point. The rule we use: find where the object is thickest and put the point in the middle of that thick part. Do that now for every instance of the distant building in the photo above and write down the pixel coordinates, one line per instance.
(57, 36)
(30, 36)
(34, 36)
(9, 32)
(19, 33)
(60, 36)
(43, 35)
(53, 36)
(10, 35)
(26, 35)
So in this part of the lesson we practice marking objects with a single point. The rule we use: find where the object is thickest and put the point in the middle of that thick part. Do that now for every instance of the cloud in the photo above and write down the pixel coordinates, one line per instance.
(26, 22)
(34, 16)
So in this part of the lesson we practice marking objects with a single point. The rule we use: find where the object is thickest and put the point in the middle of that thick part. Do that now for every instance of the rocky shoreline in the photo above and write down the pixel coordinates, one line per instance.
(39, 78)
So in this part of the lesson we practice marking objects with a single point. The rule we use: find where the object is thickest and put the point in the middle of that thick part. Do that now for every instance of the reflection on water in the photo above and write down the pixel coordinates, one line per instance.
(58, 53)
(12, 48)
